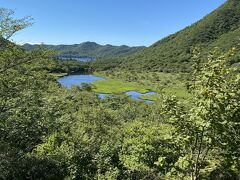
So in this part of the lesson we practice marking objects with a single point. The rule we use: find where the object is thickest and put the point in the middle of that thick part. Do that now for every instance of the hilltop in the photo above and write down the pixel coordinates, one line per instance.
(90, 49)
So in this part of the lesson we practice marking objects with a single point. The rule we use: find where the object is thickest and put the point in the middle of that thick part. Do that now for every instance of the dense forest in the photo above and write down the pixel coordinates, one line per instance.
(51, 132)
(89, 49)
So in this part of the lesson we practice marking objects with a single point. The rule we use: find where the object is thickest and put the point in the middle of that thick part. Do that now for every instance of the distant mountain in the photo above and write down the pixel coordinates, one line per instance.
(220, 29)
(90, 49)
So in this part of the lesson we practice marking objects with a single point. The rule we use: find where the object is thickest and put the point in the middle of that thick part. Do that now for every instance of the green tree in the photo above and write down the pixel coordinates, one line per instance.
(27, 112)
(208, 133)
(9, 26)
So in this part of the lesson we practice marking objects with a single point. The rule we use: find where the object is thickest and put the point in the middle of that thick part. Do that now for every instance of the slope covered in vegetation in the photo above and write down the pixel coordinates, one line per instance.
(89, 49)
(219, 29)
(50, 132)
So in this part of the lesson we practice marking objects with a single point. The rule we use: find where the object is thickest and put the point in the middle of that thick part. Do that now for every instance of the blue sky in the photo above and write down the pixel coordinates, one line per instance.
(130, 22)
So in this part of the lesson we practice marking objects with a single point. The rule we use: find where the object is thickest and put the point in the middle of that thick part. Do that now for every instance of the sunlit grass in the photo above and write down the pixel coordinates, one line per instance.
(149, 97)
(169, 83)
(169, 91)
(112, 86)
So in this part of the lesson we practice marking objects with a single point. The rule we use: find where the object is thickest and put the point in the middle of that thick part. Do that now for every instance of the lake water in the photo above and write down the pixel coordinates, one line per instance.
(82, 59)
(103, 95)
(77, 80)
(136, 95)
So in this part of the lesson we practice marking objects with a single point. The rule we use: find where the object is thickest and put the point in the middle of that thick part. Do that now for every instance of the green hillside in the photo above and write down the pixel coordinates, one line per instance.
(220, 29)
(190, 131)
(90, 49)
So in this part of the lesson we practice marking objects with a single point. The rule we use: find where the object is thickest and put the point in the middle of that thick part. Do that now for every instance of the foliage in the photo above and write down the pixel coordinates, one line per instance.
(55, 66)
(49, 132)
(9, 26)
(210, 139)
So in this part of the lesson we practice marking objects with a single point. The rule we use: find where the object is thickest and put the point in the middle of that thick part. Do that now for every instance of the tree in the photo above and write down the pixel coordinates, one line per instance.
(27, 112)
(208, 134)
(9, 26)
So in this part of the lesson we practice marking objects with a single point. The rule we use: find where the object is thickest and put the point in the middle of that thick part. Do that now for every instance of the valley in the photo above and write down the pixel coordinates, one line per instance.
(115, 112)
(107, 87)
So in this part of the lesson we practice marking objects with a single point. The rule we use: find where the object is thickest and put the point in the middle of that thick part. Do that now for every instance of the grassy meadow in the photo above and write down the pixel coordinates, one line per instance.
(161, 83)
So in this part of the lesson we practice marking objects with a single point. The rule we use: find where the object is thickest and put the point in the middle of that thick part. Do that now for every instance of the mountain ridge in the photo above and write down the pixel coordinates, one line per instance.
(90, 49)
(174, 52)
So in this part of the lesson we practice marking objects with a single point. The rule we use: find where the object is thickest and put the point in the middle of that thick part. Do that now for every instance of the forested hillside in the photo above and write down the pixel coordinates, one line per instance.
(89, 49)
(54, 133)
(219, 29)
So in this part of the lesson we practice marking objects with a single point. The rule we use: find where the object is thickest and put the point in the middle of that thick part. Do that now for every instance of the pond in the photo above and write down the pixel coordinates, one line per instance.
(77, 58)
(103, 95)
(137, 95)
(77, 80)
